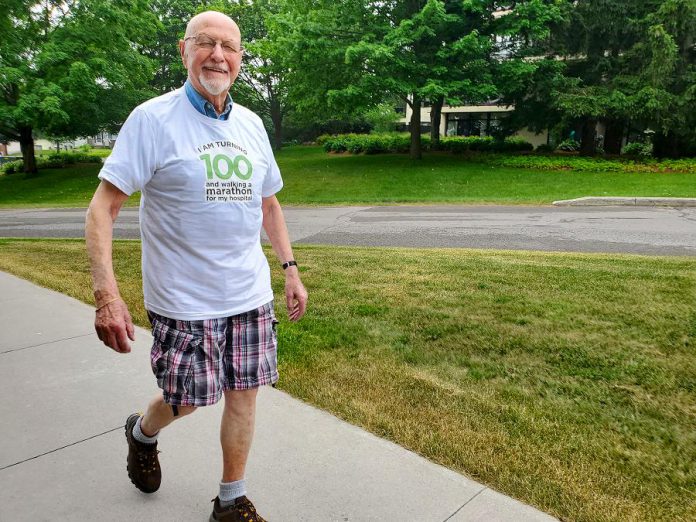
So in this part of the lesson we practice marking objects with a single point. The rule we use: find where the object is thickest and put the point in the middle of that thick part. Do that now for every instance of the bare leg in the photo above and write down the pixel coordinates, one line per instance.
(237, 432)
(159, 414)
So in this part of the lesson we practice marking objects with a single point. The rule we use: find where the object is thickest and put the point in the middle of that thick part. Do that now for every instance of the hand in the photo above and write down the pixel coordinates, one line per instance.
(295, 297)
(114, 326)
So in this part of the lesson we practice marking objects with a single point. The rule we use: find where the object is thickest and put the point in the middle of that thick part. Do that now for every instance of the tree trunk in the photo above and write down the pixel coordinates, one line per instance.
(435, 118)
(277, 119)
(589, 133)
(26, 144)
(416, 129)
(613, 137)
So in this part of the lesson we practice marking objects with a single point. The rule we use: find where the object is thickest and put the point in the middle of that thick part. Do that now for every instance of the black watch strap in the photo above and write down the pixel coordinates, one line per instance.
(289, 264)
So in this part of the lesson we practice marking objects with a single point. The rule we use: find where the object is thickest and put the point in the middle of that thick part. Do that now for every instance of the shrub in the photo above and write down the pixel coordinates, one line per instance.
(401, 142)
(12, 166)
(54, 161)
(370, 143)
(516, 144)
(636, 148)
(323, 139)
(569, 145)
(545, 148)
(459, 144)
(589, 164)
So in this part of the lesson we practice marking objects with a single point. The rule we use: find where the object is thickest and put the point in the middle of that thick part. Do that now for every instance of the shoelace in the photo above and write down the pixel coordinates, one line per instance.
(148, 460)
(243, 507)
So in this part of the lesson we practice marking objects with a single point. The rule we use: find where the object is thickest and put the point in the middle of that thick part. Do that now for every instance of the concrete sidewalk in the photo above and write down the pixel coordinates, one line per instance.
(63, 452)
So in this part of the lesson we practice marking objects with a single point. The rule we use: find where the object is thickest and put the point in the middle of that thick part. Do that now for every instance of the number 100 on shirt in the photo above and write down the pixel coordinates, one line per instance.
(223, 167)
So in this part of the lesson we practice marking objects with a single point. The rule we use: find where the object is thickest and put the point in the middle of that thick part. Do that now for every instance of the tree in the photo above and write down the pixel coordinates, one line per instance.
(262, 83)
(60, 74)
(162, 47)
(596, 70)
(412, 50)
(313, 36)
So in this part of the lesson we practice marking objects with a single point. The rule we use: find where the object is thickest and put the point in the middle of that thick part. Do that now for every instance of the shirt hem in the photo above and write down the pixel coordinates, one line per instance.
(239, 309)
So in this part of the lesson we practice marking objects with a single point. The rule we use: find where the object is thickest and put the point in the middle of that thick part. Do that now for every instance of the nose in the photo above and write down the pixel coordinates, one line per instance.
(218, 55)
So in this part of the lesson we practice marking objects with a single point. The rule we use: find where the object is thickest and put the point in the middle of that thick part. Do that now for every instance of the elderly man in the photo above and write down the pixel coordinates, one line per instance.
(208, 180)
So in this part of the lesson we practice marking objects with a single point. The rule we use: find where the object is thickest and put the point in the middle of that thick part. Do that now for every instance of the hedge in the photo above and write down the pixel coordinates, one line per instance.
(392, 142)
(590, 164)
(54, 161)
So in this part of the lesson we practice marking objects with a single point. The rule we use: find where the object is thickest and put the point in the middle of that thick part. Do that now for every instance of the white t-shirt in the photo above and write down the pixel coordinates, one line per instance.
(202, 181)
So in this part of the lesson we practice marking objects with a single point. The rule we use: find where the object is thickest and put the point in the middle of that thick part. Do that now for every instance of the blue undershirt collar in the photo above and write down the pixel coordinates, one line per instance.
(204, 106)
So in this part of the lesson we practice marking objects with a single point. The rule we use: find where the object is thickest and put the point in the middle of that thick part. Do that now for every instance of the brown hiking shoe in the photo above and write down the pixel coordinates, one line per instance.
(241, 511)
(143, 464)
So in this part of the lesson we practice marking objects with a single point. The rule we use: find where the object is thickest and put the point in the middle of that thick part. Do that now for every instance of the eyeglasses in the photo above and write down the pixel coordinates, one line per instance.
(204, 41)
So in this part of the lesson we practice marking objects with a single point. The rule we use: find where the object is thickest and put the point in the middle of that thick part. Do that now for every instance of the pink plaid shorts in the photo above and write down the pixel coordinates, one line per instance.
(196, 361)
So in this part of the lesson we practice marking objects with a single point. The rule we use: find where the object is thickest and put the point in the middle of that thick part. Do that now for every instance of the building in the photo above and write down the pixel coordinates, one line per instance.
(473, 120)
(101, 140)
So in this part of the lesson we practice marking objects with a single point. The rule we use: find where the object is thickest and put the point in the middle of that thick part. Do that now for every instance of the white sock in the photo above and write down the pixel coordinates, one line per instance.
(229, 491)
(140, 436)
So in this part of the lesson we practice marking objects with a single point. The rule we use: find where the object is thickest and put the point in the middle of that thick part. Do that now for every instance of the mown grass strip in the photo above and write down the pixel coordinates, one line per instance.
(565, 380)
(313, 177)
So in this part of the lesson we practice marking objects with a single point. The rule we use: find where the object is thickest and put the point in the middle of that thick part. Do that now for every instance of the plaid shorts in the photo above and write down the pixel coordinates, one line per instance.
(195, 361)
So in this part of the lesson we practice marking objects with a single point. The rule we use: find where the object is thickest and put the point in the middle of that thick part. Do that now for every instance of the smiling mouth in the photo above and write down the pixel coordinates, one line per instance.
(215, 70)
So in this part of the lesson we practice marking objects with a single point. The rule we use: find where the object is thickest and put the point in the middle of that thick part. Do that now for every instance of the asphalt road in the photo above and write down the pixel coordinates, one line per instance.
(636, 230)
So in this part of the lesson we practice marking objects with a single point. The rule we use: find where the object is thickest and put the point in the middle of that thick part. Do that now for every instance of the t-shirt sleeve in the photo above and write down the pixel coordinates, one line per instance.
(272, 182)
(132, 162)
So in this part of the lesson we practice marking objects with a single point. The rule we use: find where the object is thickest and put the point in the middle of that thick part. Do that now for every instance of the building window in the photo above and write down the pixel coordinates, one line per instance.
(472, 123)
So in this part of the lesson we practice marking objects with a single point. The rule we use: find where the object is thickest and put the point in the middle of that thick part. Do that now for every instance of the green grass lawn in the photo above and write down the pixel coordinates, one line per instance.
(565, 380)
(313, 177)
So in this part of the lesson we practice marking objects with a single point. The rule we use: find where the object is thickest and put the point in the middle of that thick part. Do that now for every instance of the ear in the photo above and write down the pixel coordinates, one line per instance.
(182, 52)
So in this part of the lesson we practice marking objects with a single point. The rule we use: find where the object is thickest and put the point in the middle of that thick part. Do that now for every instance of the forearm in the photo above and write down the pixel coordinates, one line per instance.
(277, 232)
(99, 223)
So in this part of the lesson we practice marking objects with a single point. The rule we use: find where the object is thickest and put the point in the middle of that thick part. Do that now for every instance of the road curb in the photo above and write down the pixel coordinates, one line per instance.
(591, 201)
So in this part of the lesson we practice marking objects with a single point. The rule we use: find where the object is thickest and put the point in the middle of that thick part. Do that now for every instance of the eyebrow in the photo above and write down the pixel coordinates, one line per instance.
(227, 40)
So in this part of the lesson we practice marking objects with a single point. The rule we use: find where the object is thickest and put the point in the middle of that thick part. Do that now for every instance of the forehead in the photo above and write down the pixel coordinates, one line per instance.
(217, 27)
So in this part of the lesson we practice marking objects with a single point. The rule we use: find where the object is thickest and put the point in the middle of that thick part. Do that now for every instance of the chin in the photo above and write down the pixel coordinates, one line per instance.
(214, 87)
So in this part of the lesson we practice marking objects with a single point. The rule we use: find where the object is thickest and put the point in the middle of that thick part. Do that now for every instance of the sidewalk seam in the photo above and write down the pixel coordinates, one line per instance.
(465, 503)
(47, 342)
(62, 447)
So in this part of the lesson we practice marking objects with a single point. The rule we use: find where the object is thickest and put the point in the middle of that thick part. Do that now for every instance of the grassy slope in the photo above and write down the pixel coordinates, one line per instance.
(314, 177)
(565, 380)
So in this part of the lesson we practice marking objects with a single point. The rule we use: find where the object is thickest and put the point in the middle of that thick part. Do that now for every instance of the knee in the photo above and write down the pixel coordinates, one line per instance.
(181, 411)
(237, 400)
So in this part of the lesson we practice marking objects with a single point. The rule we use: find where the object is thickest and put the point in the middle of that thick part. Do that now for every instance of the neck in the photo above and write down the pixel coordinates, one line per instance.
(218, 101)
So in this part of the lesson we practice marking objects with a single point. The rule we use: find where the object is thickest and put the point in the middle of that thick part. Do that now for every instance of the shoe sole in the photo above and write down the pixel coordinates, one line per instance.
(125, 429)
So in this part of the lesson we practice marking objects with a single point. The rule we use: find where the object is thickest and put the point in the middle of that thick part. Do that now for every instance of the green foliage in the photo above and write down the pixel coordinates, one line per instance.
(569, 145)
(545, 148)
(382, 118)
(73, 71)
(53, 161)
(595, 70)
(576, 163)
(400, 142)
(644, 150)
(11, 167)
(369, 143)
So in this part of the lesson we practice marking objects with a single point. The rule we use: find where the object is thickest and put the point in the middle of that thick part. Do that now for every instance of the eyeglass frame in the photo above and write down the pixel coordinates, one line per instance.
(217, 42)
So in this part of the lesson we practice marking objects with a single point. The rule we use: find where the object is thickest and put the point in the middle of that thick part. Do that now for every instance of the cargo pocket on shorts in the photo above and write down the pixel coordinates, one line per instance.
(172, 358)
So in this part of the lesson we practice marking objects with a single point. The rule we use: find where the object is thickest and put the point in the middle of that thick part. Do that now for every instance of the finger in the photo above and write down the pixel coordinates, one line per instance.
(302, 306)
(110, 341)
(122, 340)
(131, 330)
